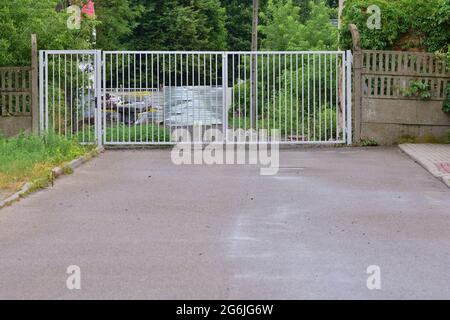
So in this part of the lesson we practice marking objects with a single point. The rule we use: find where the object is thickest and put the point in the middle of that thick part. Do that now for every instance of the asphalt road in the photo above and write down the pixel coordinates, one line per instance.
(139, 226)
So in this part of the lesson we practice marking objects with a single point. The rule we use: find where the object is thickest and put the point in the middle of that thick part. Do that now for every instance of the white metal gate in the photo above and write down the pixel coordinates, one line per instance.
(142, 97)
(70, 94)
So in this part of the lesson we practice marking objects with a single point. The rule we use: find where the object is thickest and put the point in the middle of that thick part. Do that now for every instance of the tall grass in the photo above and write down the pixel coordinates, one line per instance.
(27, 157)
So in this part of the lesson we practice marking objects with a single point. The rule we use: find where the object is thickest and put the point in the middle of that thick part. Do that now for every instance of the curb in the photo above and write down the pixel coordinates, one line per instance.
(55, 172)
(445, 178)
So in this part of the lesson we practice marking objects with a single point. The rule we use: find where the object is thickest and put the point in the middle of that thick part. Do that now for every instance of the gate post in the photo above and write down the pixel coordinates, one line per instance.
(225, 95)
(98, 94)
(34, 86)
(41, 92)
(348, 100)
(357, 76)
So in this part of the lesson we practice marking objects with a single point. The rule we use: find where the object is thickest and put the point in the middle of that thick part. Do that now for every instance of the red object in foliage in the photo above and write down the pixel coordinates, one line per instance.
(88, 9)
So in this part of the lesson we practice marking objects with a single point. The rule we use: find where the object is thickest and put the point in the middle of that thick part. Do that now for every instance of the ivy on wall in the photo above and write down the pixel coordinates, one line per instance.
(414, 25)
(407, 25)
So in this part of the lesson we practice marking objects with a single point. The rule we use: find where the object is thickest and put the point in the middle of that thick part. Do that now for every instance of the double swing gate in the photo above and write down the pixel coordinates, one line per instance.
(140, 97)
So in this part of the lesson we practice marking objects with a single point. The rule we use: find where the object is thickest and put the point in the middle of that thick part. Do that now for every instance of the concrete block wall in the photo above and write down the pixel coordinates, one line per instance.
(382, 111)
(394, 121)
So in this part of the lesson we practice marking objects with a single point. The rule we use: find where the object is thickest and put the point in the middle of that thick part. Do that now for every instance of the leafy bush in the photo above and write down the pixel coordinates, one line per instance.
(405, 24)
(306, 73)
(319, 124)
(418, 89)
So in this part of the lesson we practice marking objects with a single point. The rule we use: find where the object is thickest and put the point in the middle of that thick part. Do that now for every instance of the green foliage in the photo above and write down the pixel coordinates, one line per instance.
(20, 18)
(305, 9)
(238, 24)
(419, 89)
(117, 19)
(446, 105)
(282, 29)
(369, 143)
(125, 133)
(164, 25)
(438, 28)
(317, 124)
(286, 76)
(27, 157)
(405, 24)
(179, 25)
(239, 19)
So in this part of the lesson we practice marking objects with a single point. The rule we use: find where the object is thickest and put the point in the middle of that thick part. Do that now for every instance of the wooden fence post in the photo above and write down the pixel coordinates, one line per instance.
(34, 86)
(357, 78)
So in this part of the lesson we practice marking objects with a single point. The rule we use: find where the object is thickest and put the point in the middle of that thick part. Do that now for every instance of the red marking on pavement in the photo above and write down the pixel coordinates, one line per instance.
(443, 167)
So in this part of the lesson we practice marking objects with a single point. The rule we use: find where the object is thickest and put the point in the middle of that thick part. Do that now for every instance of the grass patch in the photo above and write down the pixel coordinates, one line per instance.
(125, 133)
(30, 158)
(137, 133)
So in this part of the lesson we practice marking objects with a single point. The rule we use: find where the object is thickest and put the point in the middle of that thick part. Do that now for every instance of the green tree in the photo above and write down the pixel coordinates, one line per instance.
(305, 7)
(282, 29)
(238, 24)
(117, 19)
(20, 18)
(179, 25)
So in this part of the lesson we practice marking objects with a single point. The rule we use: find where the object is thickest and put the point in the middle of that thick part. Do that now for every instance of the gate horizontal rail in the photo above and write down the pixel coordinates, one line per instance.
(144, 97)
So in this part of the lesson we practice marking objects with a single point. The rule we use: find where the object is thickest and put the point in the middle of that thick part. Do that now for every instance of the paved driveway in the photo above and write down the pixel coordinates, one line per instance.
(140, 227)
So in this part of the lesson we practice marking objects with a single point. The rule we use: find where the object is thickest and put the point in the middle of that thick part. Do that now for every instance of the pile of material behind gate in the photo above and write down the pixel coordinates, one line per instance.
(172, 106)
